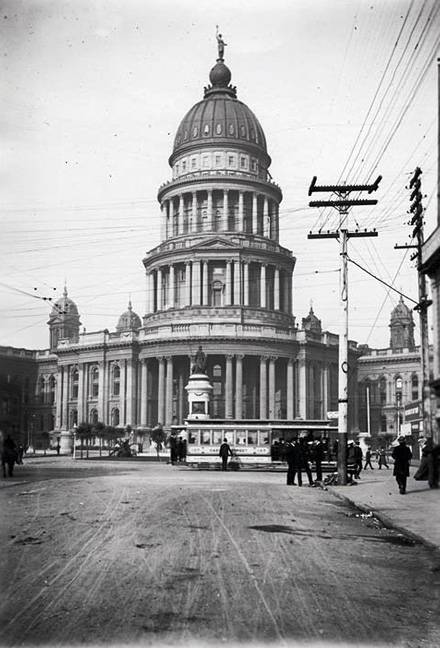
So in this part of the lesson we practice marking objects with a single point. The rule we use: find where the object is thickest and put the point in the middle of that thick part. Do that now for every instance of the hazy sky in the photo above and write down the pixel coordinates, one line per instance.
(93, 92)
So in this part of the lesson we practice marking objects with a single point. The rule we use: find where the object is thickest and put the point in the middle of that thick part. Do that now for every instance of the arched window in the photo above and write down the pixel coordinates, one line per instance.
(116, 380)
(93, 416)
(382, 391)
(52, 389)
(115, 417)
(383, 423)
(415, 387)
(94, 382)
(74, 388)
(41, 389)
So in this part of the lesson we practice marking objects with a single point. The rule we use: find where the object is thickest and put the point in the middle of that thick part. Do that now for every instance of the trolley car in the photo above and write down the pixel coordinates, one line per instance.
(251, 441)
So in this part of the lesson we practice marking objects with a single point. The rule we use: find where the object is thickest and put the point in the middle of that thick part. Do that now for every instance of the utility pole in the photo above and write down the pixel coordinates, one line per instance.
(416, 209)
(342, 204)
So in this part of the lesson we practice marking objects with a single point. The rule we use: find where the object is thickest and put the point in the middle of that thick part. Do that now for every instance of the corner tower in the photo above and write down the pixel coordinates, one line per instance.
(63, 321)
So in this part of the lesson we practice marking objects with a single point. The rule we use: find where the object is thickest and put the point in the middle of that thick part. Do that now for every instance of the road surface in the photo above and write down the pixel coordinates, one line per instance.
(123, 553)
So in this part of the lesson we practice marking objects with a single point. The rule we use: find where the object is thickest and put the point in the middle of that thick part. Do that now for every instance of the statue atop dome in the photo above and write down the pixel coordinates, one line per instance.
(221, 45)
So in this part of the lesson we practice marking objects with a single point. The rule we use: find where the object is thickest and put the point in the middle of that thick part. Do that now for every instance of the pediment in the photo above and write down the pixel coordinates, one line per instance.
(215, 242)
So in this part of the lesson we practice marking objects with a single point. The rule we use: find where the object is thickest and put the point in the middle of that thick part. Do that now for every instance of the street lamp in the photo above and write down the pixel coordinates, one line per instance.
(74, 440)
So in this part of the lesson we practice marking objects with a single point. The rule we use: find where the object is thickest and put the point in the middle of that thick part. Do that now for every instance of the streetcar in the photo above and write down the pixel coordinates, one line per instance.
(252, 442)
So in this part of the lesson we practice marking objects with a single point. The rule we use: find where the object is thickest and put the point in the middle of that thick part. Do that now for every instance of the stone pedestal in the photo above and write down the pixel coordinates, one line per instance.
(199, 393)
(66, 442)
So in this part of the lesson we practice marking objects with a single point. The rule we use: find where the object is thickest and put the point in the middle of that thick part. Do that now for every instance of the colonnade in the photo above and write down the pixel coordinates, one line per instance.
(236, 282)
(220, 210)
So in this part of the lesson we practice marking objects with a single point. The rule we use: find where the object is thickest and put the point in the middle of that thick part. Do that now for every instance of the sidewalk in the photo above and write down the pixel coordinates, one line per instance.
(417, 513)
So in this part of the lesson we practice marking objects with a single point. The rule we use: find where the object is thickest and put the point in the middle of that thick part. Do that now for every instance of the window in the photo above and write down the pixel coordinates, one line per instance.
(193, 163)
(195, 131)
(254, 165)
(93, 416)
(383, 391)
(52, 389)
(218, 160)
(230, 160)
(399, 385)
(217, 293)
(94, 382)
(205, 162)
(73, 418)
(414, 388)
(219, 129)
(115, 417)
(242, 162)
(205, 437)
(74, 390)
(184, 165)
(177, 169)
(206, 129)
(231, 129)
(116, 380)
(383, 423)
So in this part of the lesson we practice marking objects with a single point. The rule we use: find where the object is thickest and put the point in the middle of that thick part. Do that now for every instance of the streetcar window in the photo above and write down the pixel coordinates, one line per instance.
(205, 437)
(217, 437)
(263, 437)
(252, 437)
(241, 437)
(191, 437)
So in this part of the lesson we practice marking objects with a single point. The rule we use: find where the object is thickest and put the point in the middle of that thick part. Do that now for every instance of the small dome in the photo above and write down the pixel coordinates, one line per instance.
(129, 321)
(64, 306)
(312, 323)
(401, 311)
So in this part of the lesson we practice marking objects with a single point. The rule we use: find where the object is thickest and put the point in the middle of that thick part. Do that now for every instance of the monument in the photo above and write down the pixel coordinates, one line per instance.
(199, 389)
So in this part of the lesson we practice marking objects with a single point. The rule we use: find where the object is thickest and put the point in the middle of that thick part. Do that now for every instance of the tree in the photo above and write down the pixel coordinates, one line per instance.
(84, 431)
(157, 435)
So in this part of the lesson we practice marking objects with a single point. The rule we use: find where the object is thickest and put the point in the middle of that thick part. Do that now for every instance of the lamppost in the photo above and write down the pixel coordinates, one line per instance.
(74, 440)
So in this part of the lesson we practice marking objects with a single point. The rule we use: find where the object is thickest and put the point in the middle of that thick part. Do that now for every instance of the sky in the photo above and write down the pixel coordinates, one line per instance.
(93, 92)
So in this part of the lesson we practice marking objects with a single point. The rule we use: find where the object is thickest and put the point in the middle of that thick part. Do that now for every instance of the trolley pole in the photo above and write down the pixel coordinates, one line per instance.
(342, 204)
(416, 209)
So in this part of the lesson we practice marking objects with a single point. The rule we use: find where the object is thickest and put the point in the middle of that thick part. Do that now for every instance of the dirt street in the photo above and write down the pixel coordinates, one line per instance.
(140, 553)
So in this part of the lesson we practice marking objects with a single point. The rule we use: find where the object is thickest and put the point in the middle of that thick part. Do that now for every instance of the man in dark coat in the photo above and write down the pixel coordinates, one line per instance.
(358, 456)
(291, 458)
(224, 452)
(402, 456)
(318, 455)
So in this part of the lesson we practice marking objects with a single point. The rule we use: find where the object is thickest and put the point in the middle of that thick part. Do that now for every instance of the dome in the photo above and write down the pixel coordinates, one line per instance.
(64, 306)
(220, 118)
(401, 311)
(129, 321)
(311, 322)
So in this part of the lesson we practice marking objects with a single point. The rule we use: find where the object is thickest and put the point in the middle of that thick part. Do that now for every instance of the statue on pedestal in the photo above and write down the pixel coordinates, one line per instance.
(221, 45)
(199, 366)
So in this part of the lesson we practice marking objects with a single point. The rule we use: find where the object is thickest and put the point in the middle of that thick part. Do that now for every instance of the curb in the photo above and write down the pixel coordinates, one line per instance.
(386, 521)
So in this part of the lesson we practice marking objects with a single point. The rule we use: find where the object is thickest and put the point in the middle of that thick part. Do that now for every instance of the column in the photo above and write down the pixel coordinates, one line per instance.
(276, 289)
(171, 288)
(263, 286)
(225, 211)
(187, 284)
(210, 213)
(59, 409)
(237, 299)
(246, 283)
(266, 231)
(163, 224)
(289, 393)
(131, 386)
(263, 387)
(101, 391)
(228, 284)
(240, 211)
(196, 283)
(254, 213)
(302, 386)
(169, 393)
(272, 387)
(205, 283)
(194, 227)
(144, 392)
(159, 289)
(81, 395)
(239, 386)
(66, 387)
(325, 388)
(180, 219)
(228, 403)
(122, 384)
(161, 392)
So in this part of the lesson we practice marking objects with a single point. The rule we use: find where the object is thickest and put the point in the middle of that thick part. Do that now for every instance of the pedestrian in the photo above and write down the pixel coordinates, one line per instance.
(173, 449)
(382, 458)
(359, 455)
(429, 464)
(306, 457)
(295, 462)
(20, 452)
(351, 461)
(181, 449)
(9, 455)
(402, 456)
(58, 448)
(225, 452)
(368, 459)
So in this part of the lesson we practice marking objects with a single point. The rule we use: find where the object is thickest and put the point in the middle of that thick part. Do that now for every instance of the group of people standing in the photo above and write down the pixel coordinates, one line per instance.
(178, 449)
(299, 454)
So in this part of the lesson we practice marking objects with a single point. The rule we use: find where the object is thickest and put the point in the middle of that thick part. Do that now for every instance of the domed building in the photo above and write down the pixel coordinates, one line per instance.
(220, 279)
